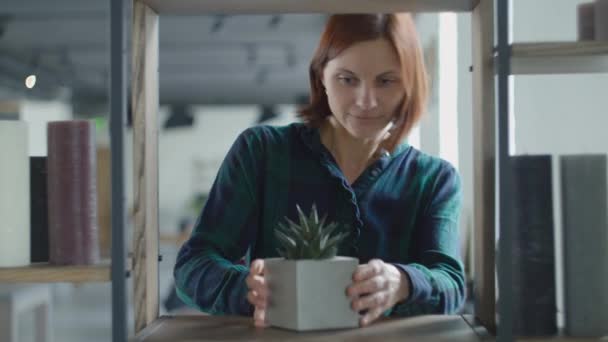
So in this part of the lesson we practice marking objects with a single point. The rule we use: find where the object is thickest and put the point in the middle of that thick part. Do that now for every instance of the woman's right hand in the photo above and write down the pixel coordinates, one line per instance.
(258, 292)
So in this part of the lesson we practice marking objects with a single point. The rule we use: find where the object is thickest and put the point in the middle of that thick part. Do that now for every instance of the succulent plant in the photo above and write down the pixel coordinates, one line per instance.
(308, 239)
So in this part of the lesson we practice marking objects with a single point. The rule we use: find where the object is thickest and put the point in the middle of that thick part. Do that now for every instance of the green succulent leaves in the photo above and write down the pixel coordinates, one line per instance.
(308, 239)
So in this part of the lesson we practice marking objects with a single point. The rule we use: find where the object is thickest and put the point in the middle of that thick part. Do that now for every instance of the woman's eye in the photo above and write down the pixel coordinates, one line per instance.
(386, 81)
(346, 80)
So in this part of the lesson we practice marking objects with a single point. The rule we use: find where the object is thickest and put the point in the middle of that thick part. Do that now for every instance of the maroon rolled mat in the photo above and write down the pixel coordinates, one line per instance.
(72, 193)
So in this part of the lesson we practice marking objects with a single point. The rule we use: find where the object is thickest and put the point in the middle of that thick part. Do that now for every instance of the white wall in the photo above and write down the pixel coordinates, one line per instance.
(189, 158)
(427, 136)
(556, 114)
(37, 114)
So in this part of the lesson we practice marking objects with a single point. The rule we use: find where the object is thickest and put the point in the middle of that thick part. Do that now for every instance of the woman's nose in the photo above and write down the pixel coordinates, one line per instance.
(366, 98)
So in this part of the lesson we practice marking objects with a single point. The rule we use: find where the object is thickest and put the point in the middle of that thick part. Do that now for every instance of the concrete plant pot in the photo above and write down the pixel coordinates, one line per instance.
(310, 294)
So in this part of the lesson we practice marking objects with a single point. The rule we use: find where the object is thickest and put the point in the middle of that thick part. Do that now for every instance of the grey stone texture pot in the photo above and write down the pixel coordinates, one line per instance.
(601, 20)
(584, 204)
(310, 294)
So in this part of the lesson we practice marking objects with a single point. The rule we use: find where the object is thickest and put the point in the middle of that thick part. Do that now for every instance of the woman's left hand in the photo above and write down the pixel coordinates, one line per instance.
(376, 287)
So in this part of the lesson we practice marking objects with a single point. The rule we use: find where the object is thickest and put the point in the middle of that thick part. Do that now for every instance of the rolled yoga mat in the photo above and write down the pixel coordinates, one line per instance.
(584, 206)
(39, 245)
(585, 21)
(72, 193)
(601, 20)
(530, 218)
(14, 194)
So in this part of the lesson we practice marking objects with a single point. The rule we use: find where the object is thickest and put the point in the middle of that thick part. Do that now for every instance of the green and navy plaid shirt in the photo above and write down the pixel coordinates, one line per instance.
(403, 209)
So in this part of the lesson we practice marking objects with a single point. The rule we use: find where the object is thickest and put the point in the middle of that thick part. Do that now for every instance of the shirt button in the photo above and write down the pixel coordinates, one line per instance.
(375, 173)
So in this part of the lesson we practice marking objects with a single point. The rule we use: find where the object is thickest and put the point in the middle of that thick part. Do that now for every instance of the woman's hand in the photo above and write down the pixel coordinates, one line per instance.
(258, 292)
(377, 286)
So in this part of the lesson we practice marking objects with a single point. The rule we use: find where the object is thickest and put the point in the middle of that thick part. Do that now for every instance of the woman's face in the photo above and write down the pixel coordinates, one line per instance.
(364, 88)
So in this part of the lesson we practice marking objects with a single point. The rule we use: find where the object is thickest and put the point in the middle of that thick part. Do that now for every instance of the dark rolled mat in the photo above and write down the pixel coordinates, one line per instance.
(72, 193)
(39, 218)
(530, 218)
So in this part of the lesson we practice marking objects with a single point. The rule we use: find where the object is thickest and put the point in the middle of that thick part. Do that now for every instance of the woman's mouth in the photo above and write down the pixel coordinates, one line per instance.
(367, 117)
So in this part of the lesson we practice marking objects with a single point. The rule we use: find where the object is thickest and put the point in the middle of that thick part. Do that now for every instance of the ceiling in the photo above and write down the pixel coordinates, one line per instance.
(215, 59)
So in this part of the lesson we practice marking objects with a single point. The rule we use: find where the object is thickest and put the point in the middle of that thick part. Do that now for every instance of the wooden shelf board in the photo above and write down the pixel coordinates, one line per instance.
(559, 58)
(560, 49)
(197, 7)
(46, 273)
(562, 338)
(233, 328)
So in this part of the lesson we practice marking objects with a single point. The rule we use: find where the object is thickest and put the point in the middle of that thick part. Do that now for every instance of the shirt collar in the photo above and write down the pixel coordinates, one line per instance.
(312, 139)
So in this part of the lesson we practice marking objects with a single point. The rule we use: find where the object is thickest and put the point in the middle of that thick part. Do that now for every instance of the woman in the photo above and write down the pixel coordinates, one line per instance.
(368, 89)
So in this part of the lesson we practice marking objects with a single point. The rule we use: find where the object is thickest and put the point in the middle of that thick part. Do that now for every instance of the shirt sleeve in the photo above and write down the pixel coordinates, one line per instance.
(437, 280)
(206, 274)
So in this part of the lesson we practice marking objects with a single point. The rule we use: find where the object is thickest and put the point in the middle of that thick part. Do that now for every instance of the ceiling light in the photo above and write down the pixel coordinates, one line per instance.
(30, 81)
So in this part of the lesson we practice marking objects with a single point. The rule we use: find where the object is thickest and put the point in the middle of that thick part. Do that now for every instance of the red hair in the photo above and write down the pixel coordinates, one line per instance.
(344, 30)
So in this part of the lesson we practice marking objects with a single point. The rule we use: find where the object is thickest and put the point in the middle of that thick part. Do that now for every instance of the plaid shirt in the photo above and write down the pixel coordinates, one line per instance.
(403, 209)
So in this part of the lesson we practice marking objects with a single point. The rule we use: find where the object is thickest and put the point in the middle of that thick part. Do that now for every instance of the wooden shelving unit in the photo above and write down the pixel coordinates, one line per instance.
(488, 134)
(46, 273)
(489, 130)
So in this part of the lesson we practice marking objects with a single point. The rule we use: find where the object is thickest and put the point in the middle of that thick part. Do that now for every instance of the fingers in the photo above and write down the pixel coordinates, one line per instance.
(371, 316)
(256, 300)
(256, 283)
(372, 285)
(369, 270)
(259, 318)
(371, 291)
(257, 267)
(371, 302)
(258, 292)
(255, 280)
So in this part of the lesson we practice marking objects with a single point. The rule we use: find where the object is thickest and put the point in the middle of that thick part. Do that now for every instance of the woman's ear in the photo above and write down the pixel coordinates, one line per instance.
(322, 78)
(322, 83)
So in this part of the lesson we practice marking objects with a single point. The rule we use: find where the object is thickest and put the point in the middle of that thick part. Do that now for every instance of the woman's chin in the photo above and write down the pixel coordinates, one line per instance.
(368, 129)
(366, 132)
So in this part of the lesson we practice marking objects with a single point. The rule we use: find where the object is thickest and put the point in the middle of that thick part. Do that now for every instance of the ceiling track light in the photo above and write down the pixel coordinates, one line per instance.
(218, 23)
(275, 21)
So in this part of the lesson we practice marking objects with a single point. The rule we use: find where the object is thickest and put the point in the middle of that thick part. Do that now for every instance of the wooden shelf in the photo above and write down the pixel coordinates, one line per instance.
(238, 328)
(562, 339)
(198, 7)
(46, 273)
(559, 58)
(564, 49)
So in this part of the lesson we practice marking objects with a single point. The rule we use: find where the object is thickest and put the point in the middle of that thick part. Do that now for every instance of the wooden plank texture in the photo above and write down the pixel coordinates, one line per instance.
(145, 164)
(225, 328)
(195, 7)
(484, 152)
(559, 58)
(555, 49)
(47, 273)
